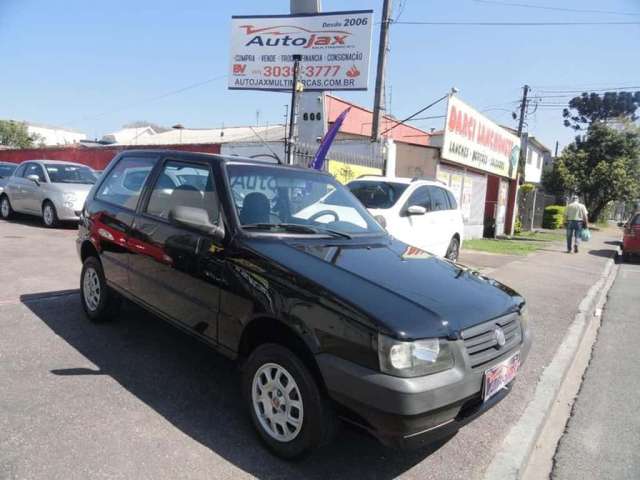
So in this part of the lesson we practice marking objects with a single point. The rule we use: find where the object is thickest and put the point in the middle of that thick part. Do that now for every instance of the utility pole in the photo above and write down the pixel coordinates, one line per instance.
(294, 101)
(382, 59)
(515, 185)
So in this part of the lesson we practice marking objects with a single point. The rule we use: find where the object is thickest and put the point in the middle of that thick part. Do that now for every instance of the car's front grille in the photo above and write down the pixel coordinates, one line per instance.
(481, 341)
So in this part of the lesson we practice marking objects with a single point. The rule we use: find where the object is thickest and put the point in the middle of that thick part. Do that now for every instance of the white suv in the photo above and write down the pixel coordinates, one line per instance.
(421, 213)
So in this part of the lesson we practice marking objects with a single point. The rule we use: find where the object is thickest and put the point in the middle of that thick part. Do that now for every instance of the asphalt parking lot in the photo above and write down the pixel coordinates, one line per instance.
(137, 399)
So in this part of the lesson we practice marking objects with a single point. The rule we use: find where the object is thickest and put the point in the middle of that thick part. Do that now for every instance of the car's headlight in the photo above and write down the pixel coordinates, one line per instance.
(413, 359)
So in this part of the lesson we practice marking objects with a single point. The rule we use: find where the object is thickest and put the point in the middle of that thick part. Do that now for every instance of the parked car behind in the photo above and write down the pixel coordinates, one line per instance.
(328, 315)
(6, 169)
(422, 213)
(51, 189)
(631, 236)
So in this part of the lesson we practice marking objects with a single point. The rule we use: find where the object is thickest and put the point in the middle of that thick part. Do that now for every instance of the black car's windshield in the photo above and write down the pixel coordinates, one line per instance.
(6, 170)
(61, 173)
(376, 194)
(275, 199)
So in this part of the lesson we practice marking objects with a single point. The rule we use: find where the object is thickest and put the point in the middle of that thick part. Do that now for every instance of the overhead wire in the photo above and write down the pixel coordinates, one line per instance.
(556, 9)
(514, 24)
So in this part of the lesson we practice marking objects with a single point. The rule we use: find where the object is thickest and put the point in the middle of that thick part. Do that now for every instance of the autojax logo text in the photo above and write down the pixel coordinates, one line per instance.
(286, 36)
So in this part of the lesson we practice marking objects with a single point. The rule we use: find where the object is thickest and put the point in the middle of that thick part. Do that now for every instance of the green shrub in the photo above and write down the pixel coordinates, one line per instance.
(553, 217)
(517, 229)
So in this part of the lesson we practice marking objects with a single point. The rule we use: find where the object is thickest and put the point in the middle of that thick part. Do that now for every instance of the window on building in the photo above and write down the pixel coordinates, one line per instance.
(529, 155)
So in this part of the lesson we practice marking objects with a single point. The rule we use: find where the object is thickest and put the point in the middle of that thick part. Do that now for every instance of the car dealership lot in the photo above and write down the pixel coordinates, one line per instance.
(137, 399)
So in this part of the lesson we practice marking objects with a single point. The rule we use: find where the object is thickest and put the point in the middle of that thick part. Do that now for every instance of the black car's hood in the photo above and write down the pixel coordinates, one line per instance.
(408, 292)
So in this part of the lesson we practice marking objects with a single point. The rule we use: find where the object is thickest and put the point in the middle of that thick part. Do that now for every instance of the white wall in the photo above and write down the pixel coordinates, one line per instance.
(534, 164)
(55, 136)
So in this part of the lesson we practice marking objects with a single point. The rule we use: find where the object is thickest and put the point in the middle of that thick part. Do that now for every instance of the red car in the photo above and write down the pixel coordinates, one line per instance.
(631, 238)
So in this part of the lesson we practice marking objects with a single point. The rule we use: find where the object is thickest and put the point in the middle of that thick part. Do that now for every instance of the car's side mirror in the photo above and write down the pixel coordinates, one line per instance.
(196, 219)
(416, 210)
(34, 178)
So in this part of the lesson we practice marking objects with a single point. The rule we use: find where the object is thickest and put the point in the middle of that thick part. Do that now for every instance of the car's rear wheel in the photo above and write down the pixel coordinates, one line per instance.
(5, 208)
(453, 251)
(49, 215)
(287, 408)
(99, 302)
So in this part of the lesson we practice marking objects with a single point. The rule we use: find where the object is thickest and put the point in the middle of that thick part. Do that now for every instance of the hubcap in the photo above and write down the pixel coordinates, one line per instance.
(91, 289)
(48, 215)
(5, 207)
(277, 402)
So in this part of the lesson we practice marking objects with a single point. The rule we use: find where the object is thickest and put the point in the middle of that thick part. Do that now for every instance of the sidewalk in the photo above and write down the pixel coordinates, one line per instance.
(602, 439)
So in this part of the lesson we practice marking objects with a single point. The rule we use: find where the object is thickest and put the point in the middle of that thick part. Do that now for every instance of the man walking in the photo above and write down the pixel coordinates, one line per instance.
(575, 218)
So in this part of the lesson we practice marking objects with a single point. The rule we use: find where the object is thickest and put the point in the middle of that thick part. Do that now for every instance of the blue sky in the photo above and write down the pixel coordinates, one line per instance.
(94, 65)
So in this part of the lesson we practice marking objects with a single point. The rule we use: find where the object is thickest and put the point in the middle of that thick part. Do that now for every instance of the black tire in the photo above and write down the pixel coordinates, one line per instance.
(453, 250)
(50, 220)
(6, 211)
(319, 422)
(108, 305)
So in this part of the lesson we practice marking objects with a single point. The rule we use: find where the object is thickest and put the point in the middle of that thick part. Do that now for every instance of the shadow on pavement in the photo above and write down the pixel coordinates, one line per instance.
(606, 252)
(36, 222)
(616, 243)
(197, 390)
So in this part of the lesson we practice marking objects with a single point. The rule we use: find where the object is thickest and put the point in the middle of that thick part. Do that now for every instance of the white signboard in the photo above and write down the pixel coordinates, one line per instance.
(335, 49)
(473, 140)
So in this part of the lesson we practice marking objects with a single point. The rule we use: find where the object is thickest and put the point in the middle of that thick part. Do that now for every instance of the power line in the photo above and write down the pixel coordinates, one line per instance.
(151, 99)
(589, 90)
(557, 9)
(516, 24)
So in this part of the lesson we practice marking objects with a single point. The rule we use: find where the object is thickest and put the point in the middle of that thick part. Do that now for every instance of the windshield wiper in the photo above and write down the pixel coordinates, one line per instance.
(296, 228)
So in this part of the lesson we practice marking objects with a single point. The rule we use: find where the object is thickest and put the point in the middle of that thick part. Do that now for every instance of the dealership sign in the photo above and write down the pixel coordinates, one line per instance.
(473, 140)
(334, 48)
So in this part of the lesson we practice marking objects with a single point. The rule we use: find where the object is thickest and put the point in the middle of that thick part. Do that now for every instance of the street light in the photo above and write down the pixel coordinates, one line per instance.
(180, 127)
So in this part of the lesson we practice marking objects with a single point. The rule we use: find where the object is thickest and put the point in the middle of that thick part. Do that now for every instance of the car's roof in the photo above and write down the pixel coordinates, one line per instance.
(227, 159)
(402, 180)
(45, 161)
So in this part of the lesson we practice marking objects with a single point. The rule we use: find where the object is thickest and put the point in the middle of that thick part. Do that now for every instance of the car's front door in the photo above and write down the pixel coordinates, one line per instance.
(111, 213)
(173, 265)
(417, 229)
(32, 191)
(14, 189)
(441, 219)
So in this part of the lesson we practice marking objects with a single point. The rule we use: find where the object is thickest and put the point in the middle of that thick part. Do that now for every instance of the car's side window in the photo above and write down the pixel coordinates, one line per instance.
(182, 184)
(439, 199)
(35, 169)
(636, 220)
(123, 184)
(421, 198)
(453, 204)
(21, 169)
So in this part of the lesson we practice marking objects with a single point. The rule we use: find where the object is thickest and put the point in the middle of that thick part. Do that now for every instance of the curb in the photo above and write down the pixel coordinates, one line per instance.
(544, 416)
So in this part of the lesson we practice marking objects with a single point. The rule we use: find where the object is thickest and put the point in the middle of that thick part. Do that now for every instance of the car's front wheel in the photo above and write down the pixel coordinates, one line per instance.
(286, 406)
(5, 208)
(453, 251)
(99, 302)
(49, 215)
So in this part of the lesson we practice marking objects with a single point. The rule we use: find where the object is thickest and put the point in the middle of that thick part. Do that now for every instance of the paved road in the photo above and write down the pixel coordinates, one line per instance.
(137, 399)
(603, 435)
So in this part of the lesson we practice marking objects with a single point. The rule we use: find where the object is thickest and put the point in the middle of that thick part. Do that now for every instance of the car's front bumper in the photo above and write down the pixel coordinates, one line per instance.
(412, 411)
(68, 213)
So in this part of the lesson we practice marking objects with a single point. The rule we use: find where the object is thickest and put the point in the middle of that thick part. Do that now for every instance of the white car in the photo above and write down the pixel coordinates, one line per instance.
(421, 213)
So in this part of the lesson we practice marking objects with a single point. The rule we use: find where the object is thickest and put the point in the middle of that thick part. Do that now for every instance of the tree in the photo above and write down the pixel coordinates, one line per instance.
(15, 134)
(601, 166)
(593, 107)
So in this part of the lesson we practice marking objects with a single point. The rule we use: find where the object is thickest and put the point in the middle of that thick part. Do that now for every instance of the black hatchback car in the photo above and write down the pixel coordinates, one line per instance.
(283, 269)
